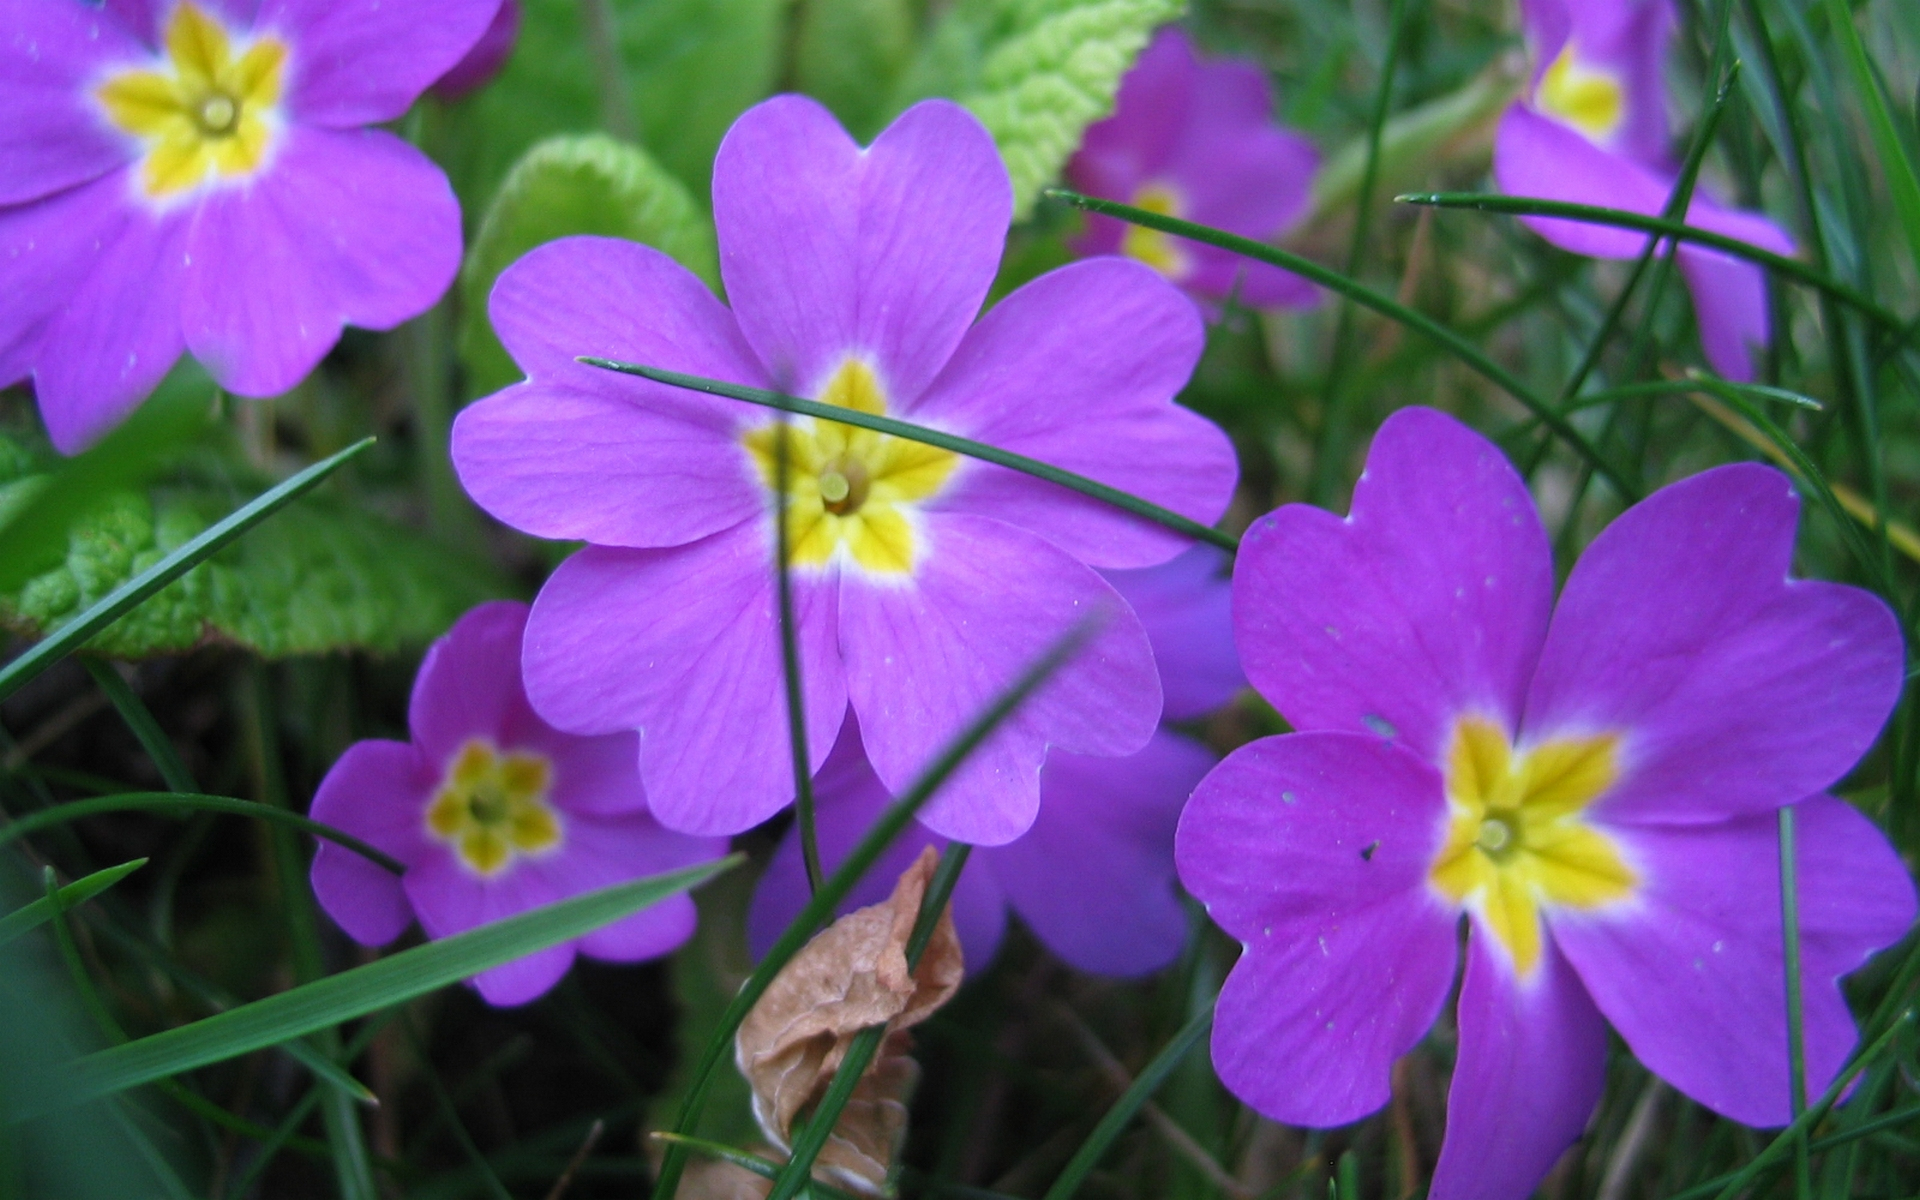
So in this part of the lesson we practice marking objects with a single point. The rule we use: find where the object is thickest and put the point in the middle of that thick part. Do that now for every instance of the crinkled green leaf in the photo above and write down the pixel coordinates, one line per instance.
(588, 183)
(849, 55)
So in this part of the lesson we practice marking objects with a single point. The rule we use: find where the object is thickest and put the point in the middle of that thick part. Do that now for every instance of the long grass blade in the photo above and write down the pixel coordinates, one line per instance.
(1796, 1027)
(164, 801)
(32, 916)
(139, 719)
(1895, 164)
(790, 659)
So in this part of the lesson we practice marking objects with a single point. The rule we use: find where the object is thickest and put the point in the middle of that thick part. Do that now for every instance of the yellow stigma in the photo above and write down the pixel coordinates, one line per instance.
(1515, 841)
(1161, 251)
(850, 487)
(206, 110)
(1587, 98)
(492, 806)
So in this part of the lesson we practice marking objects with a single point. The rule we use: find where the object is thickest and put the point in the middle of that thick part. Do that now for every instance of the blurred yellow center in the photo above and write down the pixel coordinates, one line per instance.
(206, 110)
(1587, 98)
(849, 487)
(1515, 840)
(492, 806)
(1161, 251)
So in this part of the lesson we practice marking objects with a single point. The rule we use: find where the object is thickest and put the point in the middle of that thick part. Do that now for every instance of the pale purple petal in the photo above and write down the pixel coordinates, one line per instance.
(1313, 851)
(592, 776)
(47, 250)
(1094, 877)
(829, 250)
(601, 852)
(1079, 369)
(451, 899)
(1730, 294)
(1690, 971)
(1530, 1070)
(345, 228)
(141, 17)
(1629, 39)
(377, 792)
(469, 682)
(684, 645)
(362, 62)
(1737, 689)
(1246, 177)
(1544, 160)
(584, 453)
(55, 136)
(525, 980)
(925, 657)
(1135, 144)
(1186, 607)
(1430, 600)
(487, 56)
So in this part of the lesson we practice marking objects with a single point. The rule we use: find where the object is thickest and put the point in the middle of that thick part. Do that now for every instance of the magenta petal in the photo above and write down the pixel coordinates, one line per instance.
(1120, 153)
(377, 792)
(1079, 369)
(450, 899)
(1531, 1067)
(1313, 850)
(50, 247)
(1729, 294)
(595, 776)
(1358, 624)
(486, 58)
(1544, 160)
(925, 657)
(1186, 607)
(1629, 38)
(1691, 972)
(55, 136)
(469, 683)
(603, 851)
(830, 250)
(346, 228)
(1094, 877)
(683, 645)
(1737, 688)
(525, 980)
(362, 62)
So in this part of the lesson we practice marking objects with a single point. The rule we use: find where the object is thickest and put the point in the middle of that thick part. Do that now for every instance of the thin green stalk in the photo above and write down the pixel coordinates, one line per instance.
(140, 720)
(765, 1168)
(32, 916)
(1896, 166)
(75, 810)
(803, 813)
(929, 437)
(1796, 1025)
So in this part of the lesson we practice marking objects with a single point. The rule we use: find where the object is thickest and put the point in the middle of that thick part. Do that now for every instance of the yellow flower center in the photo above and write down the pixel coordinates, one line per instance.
(206, 111)
(1587, 98)
(492, 806)
(849, 487)
(1161, 251)
(1515, 840)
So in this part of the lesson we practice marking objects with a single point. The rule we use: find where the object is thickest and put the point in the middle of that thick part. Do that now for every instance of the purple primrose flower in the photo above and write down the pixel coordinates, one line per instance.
(1592, 129)
(494, 811)
(195, 175)
(1594, 784)
(487, 57)
(923, 581)
(1198, 141)
(1094, 876)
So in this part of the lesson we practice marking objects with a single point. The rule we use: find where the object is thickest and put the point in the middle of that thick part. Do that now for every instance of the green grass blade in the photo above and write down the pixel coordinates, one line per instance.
(1796, 1027)
(1887, 144)
(930, 437)
(140, 720)
(1465, 351)
(329, 1002)
(803, 814)
(131, 594)
(765, 1168)
(34, 915)
(163, 801)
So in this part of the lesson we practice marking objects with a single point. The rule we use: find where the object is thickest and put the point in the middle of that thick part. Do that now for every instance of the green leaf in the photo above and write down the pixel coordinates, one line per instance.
(850, 54)
(590, 183)
(328, 1002)
(78, 892)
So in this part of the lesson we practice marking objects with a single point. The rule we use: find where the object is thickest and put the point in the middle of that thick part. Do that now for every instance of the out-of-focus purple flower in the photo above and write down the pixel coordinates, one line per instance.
(195, 175)
(1094, 876)
(1594, 784)
(488, 55)
(1198, 141)
(924, 582)
(1592, 129)
(494, 811)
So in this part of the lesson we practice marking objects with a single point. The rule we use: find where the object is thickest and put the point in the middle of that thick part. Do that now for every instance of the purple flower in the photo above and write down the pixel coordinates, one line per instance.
(494, 812)
(195, 176)
(923, 581)
(1592, 129)
(1197, 141)
(488, 55)
(1594, 784)
(1094, 876)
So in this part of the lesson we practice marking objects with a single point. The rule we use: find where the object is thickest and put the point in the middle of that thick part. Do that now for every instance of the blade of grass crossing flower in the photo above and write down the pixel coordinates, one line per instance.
(163, 801)
(1117, 1118)
(1465, 351)
(803, 813)
(34, 915)
(126, 597)
(1891, 149)
(929, 437)
(140, 720)
(1796, 1026)
(892, 821)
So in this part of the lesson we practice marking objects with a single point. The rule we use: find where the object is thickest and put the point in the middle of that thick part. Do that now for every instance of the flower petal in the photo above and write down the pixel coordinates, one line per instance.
(1738, 689)
(377, 792)
(1313, 850)
(604, 851)
(1544, 160)
(1186, 607)
(830, 250)
(684, 645)
(1429, 600)
(450, 899)
(1729, 294)
(926, 656)
(1691, 972)
(1079, 369)
(344, 228)
(1136, 143)
(469, 682)
(49, 248)
(1531, 1067)
(1629, 40)
(55, 136)
(525, 980)
(363, 62)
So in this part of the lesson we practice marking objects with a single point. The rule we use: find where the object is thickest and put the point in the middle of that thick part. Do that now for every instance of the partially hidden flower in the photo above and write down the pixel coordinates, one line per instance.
(493, 811)
(1592, 129)
(924, 582)
(1197, 140)
(487, 57)
(197, 176)
(1093, 879)
(1595, 785)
